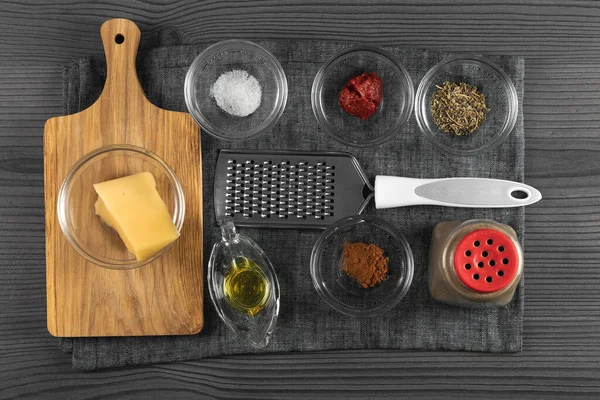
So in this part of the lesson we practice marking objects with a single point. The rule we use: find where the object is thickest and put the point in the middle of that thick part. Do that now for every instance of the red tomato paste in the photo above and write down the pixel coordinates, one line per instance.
(361, 95)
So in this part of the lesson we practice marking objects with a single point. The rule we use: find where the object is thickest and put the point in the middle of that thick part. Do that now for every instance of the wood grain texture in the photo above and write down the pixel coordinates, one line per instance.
(561, 42)
(84, 299)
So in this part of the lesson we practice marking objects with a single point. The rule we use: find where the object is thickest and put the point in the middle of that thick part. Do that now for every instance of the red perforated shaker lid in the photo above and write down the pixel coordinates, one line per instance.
(486, 260)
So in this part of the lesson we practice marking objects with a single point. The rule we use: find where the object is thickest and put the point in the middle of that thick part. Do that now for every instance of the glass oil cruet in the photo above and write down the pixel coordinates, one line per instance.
(243, 286)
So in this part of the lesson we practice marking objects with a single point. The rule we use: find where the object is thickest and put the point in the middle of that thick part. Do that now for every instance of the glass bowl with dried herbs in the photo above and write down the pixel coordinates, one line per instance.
(466, 105)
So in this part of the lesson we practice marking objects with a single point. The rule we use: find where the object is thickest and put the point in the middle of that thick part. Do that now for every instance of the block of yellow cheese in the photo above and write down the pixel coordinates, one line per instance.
(132, 206)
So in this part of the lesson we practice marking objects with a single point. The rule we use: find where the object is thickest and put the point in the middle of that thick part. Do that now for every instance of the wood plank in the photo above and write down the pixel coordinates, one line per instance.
(85, 300)
(561, 356)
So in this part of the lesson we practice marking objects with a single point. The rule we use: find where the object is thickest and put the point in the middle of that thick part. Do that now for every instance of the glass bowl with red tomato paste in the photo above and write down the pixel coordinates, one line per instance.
(362, 96)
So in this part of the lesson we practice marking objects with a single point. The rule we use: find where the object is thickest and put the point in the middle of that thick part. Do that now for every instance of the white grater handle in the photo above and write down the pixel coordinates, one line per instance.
(394, 191)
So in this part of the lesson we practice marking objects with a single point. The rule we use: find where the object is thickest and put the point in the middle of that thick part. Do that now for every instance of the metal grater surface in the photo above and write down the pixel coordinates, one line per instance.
(288, 189)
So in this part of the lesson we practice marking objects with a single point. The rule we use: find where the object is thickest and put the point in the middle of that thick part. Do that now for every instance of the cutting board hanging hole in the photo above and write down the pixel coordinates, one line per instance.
(119, 38)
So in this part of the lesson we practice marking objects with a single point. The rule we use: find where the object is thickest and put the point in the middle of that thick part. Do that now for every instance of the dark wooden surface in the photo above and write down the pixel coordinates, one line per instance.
(561, 40)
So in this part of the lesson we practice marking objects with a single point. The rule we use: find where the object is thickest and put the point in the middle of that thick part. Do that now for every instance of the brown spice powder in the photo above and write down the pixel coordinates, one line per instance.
(365, 263)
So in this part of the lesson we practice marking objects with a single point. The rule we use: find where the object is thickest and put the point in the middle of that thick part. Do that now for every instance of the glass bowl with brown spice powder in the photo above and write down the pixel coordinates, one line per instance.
(466, 105)
(362, 266)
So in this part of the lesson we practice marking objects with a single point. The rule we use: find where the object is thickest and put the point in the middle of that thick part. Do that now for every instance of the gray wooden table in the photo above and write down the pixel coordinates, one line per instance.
(561, 40)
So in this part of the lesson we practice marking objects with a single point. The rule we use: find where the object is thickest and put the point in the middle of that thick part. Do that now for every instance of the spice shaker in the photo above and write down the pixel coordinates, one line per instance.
(474, 263)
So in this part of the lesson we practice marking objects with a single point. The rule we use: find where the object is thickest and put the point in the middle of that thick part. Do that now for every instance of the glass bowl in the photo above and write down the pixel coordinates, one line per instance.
(84, 230)
(223, 57)
(236, 254)
(393, 111)
(501, 99)
(342, 292)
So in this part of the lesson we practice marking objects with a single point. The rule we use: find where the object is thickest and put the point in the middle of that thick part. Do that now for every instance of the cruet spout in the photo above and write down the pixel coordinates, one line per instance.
(228, 232)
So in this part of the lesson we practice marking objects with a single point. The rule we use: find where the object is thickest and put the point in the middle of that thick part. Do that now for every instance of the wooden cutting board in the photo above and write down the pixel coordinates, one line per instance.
(160, 298)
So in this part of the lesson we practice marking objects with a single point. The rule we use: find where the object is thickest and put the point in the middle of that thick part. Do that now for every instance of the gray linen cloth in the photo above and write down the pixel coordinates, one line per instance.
(306, 323)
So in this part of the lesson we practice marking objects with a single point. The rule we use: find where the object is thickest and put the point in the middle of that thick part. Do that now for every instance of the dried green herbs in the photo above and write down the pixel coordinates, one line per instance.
(458, 108)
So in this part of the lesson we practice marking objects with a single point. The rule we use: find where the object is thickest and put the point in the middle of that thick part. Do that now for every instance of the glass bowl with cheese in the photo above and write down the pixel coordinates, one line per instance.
(121, 207)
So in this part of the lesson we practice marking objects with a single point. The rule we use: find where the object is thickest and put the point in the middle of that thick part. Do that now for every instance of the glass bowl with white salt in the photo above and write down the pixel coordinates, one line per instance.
(235, 90)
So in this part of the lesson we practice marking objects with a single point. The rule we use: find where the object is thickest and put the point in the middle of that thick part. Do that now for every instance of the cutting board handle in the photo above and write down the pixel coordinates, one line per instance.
(121, 38)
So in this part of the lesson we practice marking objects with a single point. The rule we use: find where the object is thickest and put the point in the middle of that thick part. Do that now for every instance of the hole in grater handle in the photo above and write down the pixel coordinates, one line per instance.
(520, 194)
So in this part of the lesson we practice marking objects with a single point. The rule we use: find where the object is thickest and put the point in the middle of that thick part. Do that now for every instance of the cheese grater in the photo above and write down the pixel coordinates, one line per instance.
(288, 189)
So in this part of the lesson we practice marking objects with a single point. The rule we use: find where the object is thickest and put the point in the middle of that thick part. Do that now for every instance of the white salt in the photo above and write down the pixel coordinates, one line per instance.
(237, 93)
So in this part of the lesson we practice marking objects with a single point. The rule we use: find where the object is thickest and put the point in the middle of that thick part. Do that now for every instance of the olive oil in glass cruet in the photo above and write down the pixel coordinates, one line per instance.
(243, 286)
